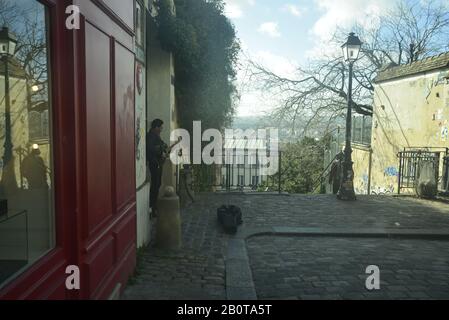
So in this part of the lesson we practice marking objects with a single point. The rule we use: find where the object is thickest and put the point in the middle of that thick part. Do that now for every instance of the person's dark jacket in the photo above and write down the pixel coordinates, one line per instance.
(155, 149)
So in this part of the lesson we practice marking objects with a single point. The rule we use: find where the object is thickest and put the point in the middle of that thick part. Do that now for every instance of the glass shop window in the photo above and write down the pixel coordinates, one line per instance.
(26, 171)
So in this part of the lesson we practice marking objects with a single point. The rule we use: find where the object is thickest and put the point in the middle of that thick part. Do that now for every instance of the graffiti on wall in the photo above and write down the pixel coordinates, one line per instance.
(362, 186)
(380, 191)
(444, 133)
(391, 172)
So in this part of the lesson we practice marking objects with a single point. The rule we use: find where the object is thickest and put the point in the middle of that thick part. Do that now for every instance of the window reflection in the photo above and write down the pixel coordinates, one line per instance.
(26, 197)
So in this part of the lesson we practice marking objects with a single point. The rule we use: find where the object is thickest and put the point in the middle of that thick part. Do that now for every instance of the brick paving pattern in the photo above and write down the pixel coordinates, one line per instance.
(326, 211)
(334, 268)
(197, 271)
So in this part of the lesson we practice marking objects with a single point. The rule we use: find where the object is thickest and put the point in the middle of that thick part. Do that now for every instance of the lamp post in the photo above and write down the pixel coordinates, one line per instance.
(351, 50)
(8, 43)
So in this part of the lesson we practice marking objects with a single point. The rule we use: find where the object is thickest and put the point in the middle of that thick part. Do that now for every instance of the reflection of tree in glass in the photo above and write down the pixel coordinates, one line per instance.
(27, 21)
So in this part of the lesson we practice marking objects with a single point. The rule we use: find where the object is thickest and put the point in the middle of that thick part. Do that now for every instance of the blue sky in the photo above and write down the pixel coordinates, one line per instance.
(281, 27)
(283, 34)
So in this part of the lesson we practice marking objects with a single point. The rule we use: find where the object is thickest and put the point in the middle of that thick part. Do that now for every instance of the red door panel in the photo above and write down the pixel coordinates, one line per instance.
(124, 126)
(98, 264)
(98, 127)
(107, 254)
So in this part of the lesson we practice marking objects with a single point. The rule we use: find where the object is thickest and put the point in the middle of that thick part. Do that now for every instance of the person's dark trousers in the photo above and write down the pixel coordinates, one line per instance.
(156, 180)
(335, 186)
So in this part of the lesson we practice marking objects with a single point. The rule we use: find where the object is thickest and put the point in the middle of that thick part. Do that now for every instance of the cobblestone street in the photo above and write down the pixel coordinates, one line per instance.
(302, 247)
(334, 268)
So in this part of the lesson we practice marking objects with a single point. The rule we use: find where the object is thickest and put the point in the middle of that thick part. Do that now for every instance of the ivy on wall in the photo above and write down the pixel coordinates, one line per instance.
(205, 48)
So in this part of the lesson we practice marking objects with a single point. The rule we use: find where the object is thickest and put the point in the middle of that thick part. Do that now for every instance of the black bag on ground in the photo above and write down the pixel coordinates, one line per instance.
(221, 212)
(230, 218)
(237, 212)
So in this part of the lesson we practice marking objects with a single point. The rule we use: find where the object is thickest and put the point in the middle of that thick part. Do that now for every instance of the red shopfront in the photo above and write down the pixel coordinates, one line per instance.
(88, 151)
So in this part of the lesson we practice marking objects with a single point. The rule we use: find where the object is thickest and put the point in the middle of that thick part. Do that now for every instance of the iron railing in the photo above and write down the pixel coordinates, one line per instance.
(319, 183)
(241, 173)
(445, 178)
(410, 161)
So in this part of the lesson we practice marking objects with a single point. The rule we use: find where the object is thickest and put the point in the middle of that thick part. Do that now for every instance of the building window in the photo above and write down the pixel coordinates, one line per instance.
(361, 130)
(26, 187)
(255, 180)
(39, 125)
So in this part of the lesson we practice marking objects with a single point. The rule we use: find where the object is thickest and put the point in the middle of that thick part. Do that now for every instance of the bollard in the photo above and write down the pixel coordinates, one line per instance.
(168, 226)
(186, 193)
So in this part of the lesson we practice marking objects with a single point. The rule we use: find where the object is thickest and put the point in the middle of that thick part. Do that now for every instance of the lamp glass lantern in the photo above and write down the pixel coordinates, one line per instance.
(351, 49)
(8, 42)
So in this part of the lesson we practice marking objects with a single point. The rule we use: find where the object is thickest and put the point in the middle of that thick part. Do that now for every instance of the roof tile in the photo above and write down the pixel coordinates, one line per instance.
(440, 61)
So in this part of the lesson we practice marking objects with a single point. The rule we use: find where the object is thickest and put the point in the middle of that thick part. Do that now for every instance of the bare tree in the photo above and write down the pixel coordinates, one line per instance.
(32, 52)
(317, 97)
(9, 12)
(28, 25)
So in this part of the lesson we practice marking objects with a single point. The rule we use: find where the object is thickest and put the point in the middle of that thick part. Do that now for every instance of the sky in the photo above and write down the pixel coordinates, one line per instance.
(284, 34)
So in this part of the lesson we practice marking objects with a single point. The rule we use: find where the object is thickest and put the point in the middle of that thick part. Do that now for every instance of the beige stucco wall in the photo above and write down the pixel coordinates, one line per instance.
(410, 112)
(361, 158)
(157, 100)
(161, 96)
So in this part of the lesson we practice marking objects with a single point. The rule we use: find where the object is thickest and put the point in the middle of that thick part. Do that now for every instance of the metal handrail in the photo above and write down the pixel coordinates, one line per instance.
(323, 175)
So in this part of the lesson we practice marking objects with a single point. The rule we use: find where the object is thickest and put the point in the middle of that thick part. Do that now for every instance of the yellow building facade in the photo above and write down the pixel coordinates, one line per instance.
(411, 112)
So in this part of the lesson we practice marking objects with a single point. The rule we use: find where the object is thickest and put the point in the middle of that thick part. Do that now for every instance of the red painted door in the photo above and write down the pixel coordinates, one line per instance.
(106, 152)
(92, 71)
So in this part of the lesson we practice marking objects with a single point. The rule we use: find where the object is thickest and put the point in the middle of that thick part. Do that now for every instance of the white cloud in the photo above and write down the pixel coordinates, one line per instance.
(294, 10)
(344, 14)
(270, 28)
(234, 9)
(279, 65)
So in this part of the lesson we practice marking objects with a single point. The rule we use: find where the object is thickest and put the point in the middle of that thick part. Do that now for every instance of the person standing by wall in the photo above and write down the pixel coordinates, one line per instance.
(156, 153)
(335, 173)
(34, 169)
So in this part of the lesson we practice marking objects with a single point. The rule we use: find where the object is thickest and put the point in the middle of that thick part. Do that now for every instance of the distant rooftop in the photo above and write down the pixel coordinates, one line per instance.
(393, 72)
(15, 69)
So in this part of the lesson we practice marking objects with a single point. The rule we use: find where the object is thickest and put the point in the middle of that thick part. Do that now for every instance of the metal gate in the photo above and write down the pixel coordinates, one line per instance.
(445, 180)
(409, 164)
(243, 176)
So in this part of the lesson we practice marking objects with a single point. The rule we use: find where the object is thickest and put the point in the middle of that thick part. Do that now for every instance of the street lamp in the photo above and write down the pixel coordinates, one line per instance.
(8, 44)
(351, 50)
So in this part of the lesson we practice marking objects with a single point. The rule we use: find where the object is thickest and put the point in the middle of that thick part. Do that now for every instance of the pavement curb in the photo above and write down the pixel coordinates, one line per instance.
(419, 234)
(239, 279)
